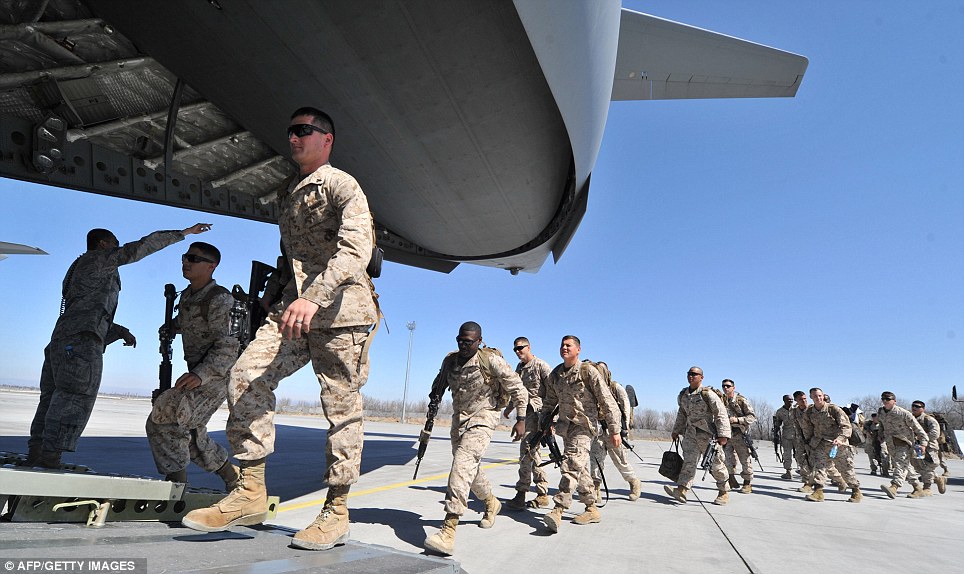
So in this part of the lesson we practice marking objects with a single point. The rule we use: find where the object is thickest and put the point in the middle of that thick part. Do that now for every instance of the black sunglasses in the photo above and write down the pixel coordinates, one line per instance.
(466, 342)
(192, 258)
(727, 386)
(694, 374)
(302, 130)
(519, 348)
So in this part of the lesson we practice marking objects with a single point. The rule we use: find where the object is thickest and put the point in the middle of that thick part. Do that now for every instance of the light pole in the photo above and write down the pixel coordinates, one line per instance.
(408, 365)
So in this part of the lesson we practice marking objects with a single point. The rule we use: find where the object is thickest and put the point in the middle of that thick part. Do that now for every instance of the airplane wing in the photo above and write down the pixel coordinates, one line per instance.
(18, 249)
(664, 60)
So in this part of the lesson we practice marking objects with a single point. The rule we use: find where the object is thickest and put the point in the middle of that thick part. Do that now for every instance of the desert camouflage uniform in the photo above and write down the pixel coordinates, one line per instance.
(326, 231)
(926, 468)
(602, 444)
(176, 428)
(582, 396)
(736, 448)
(534, 375)
(788, 436)
(74, 359)
(475, 402)
(820, 428)
(900, 430)
(801, 450)
(693, 422)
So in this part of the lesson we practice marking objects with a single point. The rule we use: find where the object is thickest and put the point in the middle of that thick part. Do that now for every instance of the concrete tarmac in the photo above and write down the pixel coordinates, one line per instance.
(772, 530)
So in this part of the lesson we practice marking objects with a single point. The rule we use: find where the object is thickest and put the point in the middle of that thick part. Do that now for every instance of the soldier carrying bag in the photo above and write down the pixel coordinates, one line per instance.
(672, 463)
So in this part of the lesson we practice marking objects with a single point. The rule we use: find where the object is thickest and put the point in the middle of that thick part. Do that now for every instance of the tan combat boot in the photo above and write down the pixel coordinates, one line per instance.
(635, 488)
(734, 483)
(330, 527)
(492, 508)
(246, 505)
(590, 516)
(806, 488)
(841, 485)
(927, 489)
(540, 501)
(816, 495)
(747, 489)
(679, 493)
(918, 492)
(443, 541)
(857, 496)
(518, 502)
(230, 474)
(723, 497)
(941, 484)
(890, 489)
(553, 520)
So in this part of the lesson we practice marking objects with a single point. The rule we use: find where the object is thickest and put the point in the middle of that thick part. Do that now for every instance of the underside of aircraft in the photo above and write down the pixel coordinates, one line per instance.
(473, 127)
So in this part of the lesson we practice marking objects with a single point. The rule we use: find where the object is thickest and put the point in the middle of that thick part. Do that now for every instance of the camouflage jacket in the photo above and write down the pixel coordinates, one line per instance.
(475, 394)
(899, 426)
(827, 424)
(622, 400)
(739, 407)
(582, 396)
(698, 410)
(92, 286)
(783, 420)
(327, 233)
(933, 430)
(209, 349)
(796, 417)
(534, 375)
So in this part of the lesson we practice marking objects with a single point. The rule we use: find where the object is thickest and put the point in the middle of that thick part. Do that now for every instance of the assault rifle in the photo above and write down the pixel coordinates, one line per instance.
(776, 442)
(247, 314)
(166, 334)
(749, 445)
(544, 437)
(706, 461)
(628, 419)
(434, 398)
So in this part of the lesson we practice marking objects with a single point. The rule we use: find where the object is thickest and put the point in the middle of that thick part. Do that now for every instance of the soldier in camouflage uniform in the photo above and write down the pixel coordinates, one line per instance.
(478, 379)
(741, 414)
(601, 447)
(927, 466)
(324, 317)
(74, 359)
(801, 450)
(826, 428)
(177, 425)
(582, 396)
(901, 431)
(702, 417)
(875, 447)
(534, 373)
(783, 427)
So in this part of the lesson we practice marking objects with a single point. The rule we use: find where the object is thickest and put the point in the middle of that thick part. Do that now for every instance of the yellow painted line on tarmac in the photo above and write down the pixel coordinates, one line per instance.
(320, 501)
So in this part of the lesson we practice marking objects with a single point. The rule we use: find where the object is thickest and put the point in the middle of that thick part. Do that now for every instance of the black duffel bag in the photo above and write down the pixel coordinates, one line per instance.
(672, 463)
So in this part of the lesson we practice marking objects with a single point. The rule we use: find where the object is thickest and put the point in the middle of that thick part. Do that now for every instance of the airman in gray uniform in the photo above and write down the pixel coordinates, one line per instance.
(324, 317)
(701, 417)
(601, 446)
(582, 396)
(534, 373)
(477, 378)
(742, 417)
(927, 466)
(783, 424)
(901, 431)
(74, 358)
(826, 428)
(876, 447)
(177, 425)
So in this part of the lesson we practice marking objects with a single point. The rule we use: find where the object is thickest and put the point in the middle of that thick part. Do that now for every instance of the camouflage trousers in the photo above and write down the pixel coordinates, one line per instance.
(927, 467)
(177, 427)
(601, 446)
(69, 381)
(883, 462)
(336, 358)
(789, 452)
(900, 456)
(694, 443)
(736, 449)
(529, 469)
(843, 464)
(468, 447)
(801, 455)
(577, 440)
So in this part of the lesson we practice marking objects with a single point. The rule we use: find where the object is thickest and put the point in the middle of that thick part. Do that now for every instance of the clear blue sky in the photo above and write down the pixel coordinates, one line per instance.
(783, 243)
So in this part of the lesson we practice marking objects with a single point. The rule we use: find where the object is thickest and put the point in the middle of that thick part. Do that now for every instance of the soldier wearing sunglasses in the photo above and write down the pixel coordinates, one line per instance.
(534, 373)
(324, 317)
(177, 425)
(74, 359)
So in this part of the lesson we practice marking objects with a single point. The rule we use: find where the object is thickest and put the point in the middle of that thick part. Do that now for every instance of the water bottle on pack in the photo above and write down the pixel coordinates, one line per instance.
(833, 451)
